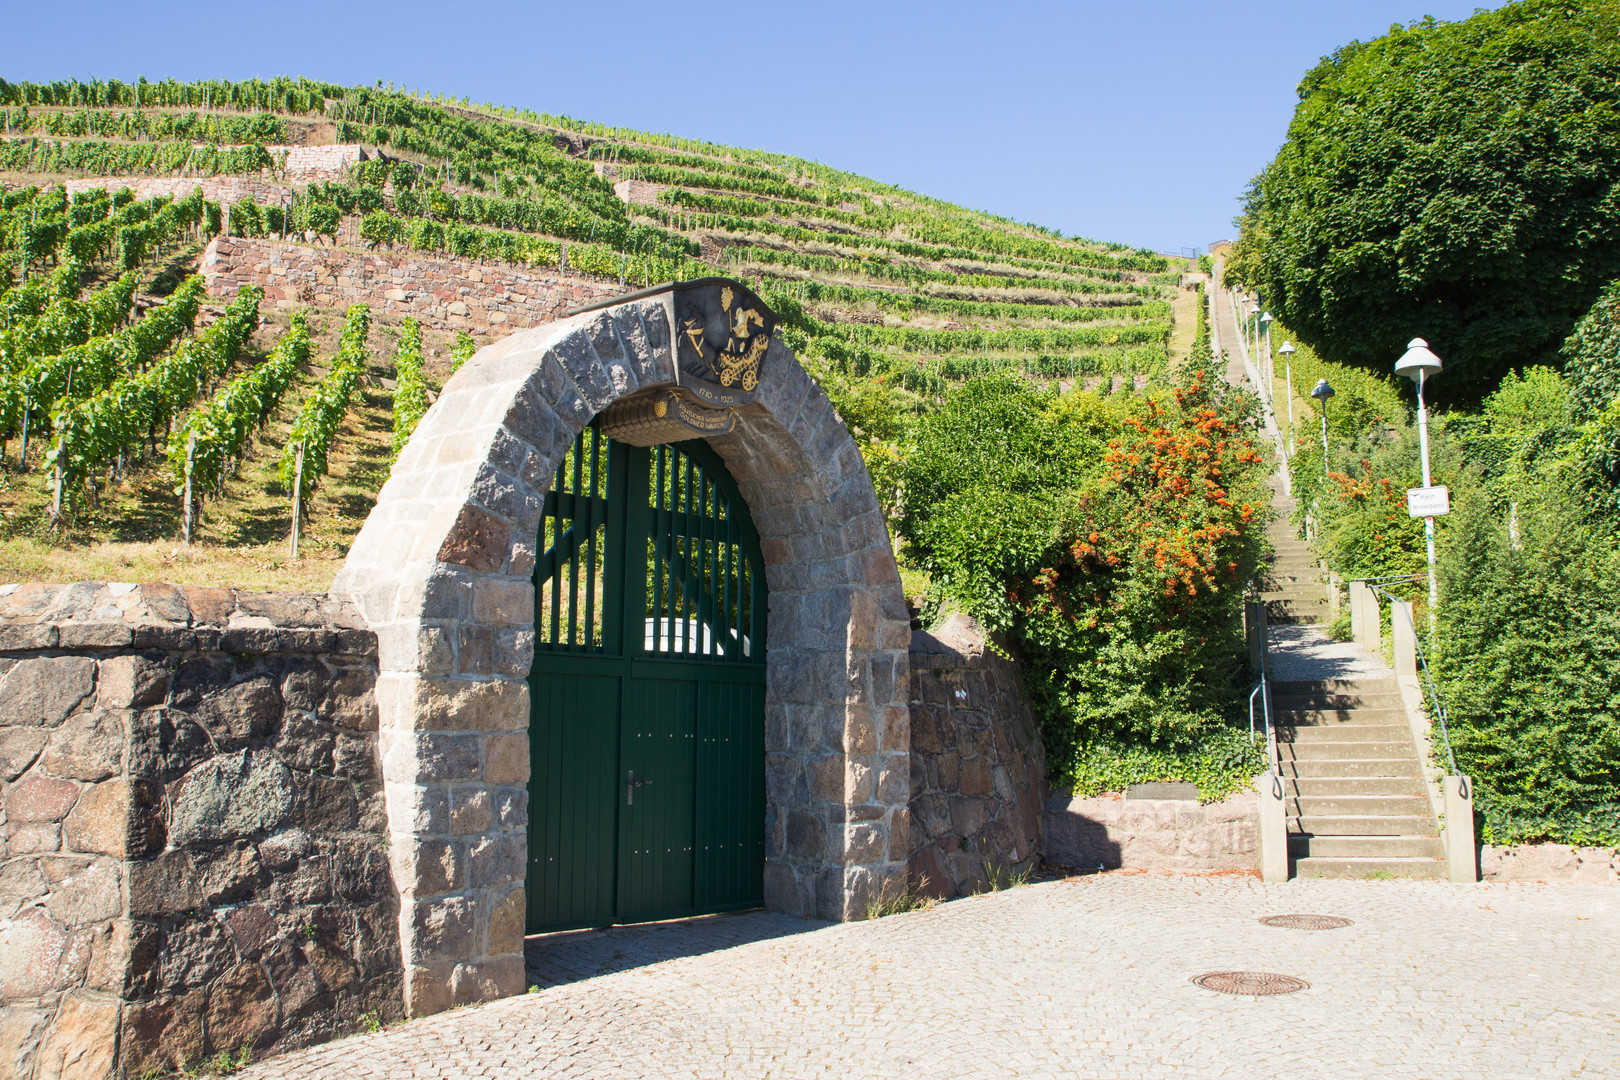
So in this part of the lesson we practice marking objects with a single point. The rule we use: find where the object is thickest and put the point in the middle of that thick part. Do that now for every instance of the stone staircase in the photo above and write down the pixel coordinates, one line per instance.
(1292, 584)
(1355, 794)
(1357, 802)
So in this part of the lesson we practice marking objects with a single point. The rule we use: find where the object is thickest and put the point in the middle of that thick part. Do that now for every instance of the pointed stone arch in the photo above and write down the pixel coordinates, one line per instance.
(442, 572)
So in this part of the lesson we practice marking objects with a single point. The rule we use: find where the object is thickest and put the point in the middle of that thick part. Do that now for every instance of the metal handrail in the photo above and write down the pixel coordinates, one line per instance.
(1263, 688)
(1377, 586)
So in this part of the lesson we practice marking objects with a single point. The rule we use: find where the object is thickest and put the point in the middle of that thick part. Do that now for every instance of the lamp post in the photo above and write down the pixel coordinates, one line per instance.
(1417, 364)
(1251, 336)
(1322, 392)
(1287, 351)
(1265, 321)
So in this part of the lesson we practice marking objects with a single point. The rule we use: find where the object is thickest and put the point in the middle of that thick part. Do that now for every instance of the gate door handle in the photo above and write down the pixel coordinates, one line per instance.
(630, 788)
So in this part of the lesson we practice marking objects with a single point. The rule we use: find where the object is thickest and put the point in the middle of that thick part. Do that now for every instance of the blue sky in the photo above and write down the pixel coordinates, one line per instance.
(1135, 122)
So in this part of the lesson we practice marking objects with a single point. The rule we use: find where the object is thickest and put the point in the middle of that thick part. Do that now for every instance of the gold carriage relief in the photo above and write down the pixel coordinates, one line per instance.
(724, 333)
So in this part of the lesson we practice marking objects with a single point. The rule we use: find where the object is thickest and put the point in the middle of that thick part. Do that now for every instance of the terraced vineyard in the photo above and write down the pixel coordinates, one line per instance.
(888, 295)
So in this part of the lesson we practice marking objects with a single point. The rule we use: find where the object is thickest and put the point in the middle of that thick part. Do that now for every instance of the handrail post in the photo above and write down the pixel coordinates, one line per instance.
(1403, 639)
(1273, 827)
(1358, 609)
(1462, 860)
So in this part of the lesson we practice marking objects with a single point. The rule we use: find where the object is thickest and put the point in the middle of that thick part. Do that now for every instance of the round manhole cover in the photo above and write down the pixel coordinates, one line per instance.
(1250, 982)
(1305, 922)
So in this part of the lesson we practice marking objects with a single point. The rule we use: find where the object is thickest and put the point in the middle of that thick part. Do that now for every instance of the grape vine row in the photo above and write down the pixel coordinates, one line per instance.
(222, 427)
(316, 425)
(93, 431)
(410, 391)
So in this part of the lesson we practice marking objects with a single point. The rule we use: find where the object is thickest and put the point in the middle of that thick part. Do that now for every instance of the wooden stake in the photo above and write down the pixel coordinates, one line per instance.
(191, 457)
(298, 495)
(56, 497)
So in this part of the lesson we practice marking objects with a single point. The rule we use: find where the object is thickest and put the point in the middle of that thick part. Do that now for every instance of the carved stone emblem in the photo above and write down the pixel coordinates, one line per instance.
(722, 331)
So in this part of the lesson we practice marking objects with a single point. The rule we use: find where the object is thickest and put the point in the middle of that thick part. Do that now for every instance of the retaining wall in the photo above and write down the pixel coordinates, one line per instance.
(194, 852)
(978, 770)
(1113, 831)
(1549, 862)
(444, 293)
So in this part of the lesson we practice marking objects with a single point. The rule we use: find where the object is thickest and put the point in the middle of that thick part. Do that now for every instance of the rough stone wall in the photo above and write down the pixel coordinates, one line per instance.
(1114, 832)
(1549, 862)
(443, 571)
(443, 293)
(319, 162)
(194, 854)
(978, 769)
(220, 189)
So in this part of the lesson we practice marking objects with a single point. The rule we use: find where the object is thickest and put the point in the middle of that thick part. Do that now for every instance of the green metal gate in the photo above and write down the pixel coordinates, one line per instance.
(646, 728)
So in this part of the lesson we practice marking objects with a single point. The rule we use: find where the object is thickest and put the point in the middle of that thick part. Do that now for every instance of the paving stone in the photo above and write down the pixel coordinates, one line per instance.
(1084, 977)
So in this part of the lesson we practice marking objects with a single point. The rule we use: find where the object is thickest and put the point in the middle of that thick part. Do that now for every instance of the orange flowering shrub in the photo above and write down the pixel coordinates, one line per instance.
(1109, 540)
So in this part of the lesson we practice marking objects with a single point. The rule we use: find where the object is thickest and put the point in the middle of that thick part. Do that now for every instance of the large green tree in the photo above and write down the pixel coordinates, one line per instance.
(1454, 181)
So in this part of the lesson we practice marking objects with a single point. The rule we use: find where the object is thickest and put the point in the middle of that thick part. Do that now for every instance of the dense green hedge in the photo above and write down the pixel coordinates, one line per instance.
(1447, 180)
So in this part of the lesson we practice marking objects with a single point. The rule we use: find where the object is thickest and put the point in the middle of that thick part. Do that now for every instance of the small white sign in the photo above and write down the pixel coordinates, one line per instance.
(1428, 502)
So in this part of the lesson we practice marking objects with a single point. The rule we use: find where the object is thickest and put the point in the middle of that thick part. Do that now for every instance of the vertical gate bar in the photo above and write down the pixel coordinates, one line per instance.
(574, 522)
(589, 631)
(724, 573)
(694, 481)
(677, 544)
(706, 638)
(712, 518)
(660, 519)
(734, 580)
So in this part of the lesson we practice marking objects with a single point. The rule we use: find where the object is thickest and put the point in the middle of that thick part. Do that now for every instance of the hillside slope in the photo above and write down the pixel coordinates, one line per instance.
(887, 295)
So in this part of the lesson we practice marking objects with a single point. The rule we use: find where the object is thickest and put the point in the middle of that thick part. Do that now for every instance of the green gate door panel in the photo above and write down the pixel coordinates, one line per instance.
(730, 811)
(573, 779)
(647, 789)
(658, 730)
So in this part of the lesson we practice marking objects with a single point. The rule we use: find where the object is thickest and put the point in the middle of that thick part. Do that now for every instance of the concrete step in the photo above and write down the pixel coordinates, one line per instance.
(1285, 716)
(1310, 846)
(1335, 702)
(1367, 684)
(1346, 768)
(1291, 618)
(1357, 751)
(1314, 806)
(1315, 734)
(1382, 825)
(1298, 596)
(1370, 868)
(1311, 786)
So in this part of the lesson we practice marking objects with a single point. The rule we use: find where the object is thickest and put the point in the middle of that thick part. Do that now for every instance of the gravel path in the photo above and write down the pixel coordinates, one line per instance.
(1086, 977)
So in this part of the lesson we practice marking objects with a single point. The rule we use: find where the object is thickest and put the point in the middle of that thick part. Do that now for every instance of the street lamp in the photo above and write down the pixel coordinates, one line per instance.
(1250, 331)
(1417, 364)
(1288, 367)
(1265, 321)
(1322, 392)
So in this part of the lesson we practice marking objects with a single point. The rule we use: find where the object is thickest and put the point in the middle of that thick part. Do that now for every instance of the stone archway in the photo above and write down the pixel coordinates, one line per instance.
(442, 572)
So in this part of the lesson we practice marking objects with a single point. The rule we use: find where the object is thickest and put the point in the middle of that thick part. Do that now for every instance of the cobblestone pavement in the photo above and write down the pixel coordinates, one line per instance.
(1087, 977)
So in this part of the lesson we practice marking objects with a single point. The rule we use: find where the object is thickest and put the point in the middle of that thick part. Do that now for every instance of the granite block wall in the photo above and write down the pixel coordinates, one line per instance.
(978, 769)
(193, 851)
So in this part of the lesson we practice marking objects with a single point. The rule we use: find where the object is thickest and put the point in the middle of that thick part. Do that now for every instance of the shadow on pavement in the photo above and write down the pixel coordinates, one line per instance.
(558, 959)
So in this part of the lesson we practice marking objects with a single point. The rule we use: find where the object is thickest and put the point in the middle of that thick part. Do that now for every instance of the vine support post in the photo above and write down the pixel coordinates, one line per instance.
(191, 458)
(298, 495)
(56, 486)
(22, 458)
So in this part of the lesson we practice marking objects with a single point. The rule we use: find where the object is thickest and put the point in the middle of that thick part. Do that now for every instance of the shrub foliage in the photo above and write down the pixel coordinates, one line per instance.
(1108, 539)
(1448, 180)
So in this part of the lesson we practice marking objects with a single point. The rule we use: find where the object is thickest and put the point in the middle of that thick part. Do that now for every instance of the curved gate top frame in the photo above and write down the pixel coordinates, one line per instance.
(442, 572)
